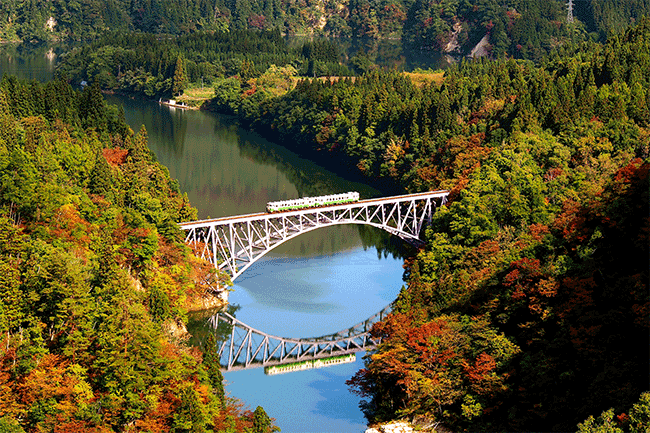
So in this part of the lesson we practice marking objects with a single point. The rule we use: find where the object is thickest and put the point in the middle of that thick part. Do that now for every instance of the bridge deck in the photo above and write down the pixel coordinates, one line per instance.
(254, 216)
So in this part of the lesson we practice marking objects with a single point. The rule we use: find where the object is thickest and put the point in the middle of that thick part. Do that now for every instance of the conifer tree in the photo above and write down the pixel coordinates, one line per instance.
(261, 422)
(100, 177)
(180, 79)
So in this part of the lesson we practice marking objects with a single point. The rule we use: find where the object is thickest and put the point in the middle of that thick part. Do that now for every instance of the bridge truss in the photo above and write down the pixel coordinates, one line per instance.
(242, 347)
(233, 244)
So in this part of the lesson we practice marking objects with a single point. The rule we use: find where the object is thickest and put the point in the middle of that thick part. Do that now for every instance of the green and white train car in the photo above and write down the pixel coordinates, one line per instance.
(309, 202)
(308, 365)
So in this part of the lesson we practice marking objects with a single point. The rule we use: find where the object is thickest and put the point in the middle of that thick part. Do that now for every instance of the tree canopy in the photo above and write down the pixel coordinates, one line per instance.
(95, 276)
(526, 307)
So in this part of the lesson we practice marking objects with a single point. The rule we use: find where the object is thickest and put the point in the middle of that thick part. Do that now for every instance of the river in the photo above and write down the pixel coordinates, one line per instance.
(319, 283)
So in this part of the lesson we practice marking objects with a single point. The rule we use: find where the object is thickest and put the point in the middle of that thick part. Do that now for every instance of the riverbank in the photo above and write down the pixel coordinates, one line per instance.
(195, 97)
(201, 97)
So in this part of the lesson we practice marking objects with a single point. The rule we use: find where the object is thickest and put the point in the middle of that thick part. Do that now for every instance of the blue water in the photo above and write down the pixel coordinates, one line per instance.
(317, 284)
(298, 297)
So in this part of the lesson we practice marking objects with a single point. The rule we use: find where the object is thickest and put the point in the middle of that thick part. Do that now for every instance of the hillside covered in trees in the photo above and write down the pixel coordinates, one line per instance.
(528, 308)
(143, 64)
(520, 28)
(95, 280)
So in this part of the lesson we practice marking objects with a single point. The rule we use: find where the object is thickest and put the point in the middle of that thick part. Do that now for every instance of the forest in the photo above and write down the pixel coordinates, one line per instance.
(95, 280)
(143, 64)
(518, 28)
(528, 308)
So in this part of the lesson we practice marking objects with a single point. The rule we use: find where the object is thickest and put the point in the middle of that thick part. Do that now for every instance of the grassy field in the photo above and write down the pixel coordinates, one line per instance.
(195, 96)
(421, 79)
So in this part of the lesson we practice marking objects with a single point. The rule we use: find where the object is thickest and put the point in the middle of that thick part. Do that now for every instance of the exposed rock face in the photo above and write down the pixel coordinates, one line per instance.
(50, 24)
(453, 46)
(176, 329)
(208, 301)
(393, 427)
(419, 423)
(482, 49)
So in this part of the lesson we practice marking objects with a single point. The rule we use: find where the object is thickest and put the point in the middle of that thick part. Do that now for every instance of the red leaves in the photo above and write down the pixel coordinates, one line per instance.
(553, 173)
(431, 342)
(530, 283)
(115, 157)
(538, 231)
(481, 374)
(634, 171)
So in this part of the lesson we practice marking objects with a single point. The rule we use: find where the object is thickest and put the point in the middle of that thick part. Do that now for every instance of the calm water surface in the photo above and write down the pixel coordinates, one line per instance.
(317, 284)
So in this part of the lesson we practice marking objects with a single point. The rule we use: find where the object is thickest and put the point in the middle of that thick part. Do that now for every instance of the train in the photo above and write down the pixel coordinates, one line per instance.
(309, 202)
(307, 365)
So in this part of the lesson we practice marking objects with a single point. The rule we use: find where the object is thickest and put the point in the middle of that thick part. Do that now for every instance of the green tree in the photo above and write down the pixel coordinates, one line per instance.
(9, 425)
(262, 423)
(213, 367)
(179, 82)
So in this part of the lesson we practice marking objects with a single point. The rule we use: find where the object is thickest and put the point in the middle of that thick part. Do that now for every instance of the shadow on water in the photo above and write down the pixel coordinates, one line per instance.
(312, 180)
(309, 178)
(171, 123)
(199, 326)
(29, 62)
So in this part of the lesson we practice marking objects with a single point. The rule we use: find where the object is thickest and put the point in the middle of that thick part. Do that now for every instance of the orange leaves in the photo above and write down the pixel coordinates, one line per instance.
(433, 342)
(68, 225)
(45, 381)
(635, 169)
(528, 281)
(116, 156)
(481, 374)
(79, 426)
(429, 365)
(56, 383)
(394, 326)
(234, 417)
(10, 403)
(538, 231)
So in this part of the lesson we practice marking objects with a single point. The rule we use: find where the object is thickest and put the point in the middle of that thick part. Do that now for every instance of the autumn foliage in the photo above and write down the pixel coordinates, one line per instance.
(93, 271)
(528, 308)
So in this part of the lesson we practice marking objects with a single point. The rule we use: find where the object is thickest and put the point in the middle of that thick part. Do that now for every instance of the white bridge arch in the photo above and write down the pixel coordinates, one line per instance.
(233, 244)
(244, 347)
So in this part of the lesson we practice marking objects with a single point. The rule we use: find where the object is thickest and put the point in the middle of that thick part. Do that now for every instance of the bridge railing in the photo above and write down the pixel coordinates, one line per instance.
(244, 347)
(233, 244)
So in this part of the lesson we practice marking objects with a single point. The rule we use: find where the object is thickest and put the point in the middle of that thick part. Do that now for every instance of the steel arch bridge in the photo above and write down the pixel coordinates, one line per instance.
(245, 347)
(233, 244)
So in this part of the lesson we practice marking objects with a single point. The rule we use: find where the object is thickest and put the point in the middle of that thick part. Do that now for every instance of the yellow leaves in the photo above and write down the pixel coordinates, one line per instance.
(9, 402)
(470, 407)
(394, 153)
(277, 80)
(53, 379)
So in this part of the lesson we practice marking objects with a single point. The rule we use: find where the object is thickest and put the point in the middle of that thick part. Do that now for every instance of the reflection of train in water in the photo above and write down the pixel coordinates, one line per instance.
(307, 202)
(307, 365)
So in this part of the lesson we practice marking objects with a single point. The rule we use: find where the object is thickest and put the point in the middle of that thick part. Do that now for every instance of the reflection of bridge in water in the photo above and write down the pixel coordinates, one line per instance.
(244, 347)
(233, 244)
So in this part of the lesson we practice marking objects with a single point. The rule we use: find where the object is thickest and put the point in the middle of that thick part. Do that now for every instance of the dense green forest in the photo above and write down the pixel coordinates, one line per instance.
(95, 279)
(528, 308)
(145, 64)
(520, 28)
